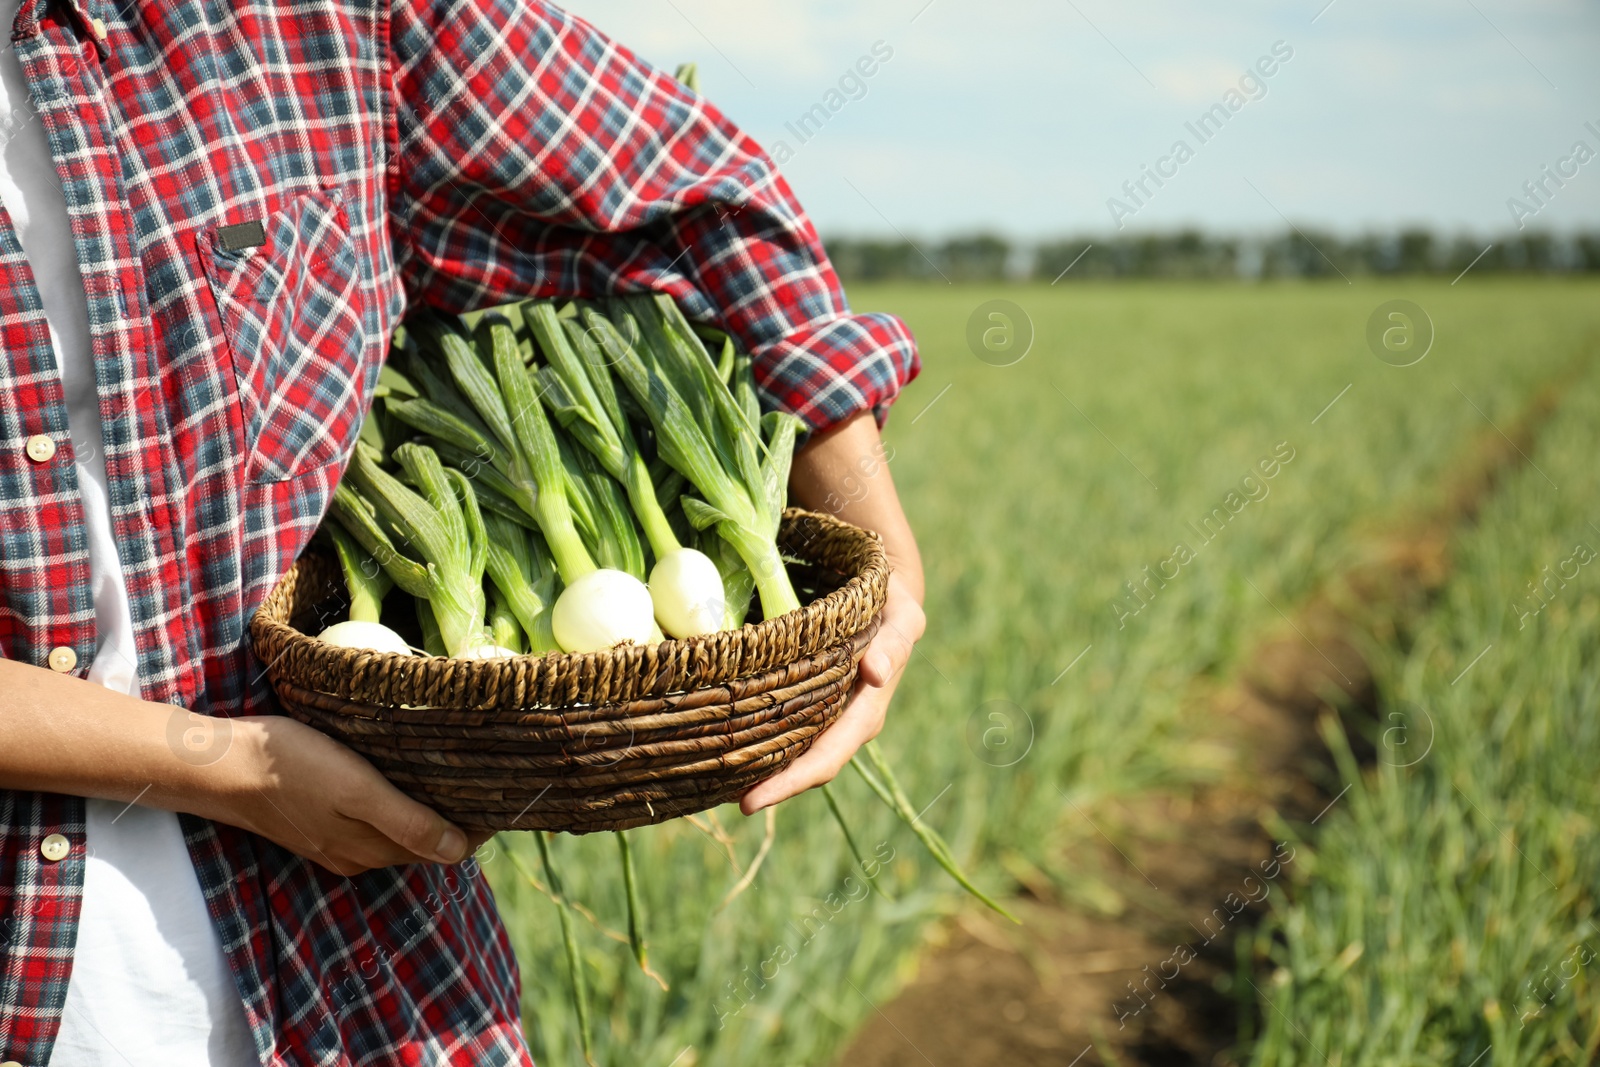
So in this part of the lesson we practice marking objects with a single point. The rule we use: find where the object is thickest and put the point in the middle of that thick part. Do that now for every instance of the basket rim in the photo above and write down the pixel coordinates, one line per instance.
(755, 648)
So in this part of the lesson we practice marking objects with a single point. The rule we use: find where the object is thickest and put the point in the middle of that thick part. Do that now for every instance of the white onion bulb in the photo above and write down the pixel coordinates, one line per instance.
(372, 635)
(602, 609)
(686, 590)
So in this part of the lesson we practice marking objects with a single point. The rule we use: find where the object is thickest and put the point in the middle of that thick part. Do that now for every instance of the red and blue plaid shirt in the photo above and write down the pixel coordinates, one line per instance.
(258, 194)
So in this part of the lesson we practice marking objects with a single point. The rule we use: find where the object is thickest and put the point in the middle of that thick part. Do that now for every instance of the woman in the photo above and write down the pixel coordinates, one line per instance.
(216, 215)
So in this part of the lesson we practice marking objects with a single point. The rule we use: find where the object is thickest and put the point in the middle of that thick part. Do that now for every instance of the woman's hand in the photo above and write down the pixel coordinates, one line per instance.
(318, 799)
(845, 472)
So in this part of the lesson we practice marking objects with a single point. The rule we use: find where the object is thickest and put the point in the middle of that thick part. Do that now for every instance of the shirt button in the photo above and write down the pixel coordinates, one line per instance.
(54, 848)
(99, 27)
(62, 660)
(40, 449)
(10, 1063)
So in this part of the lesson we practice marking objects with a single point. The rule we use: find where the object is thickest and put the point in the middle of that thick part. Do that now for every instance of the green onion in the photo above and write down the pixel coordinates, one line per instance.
(600, 607)
(737, 504)
(521, 573)
(366, 581)
(888, 790)
(432, 642)
(535, 445)
(590, 411)
(504, 629)
(444, 526)
(615, 543)
(635, 909)
(359, 518)
(569, 939)
(686, 588)
(367, 584)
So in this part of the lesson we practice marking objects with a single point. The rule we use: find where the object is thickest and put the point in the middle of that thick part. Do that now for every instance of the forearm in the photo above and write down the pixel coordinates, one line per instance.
(845, 472)
(270, 775)
(61, 734)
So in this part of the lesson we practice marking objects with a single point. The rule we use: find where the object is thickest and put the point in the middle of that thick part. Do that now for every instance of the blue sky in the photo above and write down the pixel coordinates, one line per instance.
(1027, 116)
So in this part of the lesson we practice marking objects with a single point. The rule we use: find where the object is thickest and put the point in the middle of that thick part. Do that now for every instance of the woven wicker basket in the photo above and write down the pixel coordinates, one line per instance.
(599, 741)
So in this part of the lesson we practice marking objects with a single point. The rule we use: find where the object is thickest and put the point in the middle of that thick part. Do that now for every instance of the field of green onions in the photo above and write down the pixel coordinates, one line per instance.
(1449, 900)
(1103, 539)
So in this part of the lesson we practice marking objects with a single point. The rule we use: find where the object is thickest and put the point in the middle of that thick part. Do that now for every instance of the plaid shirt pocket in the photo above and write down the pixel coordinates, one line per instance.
(290, 297)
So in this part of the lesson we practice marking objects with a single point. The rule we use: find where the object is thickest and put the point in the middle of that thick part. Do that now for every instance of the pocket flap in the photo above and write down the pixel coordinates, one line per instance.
(288, 290)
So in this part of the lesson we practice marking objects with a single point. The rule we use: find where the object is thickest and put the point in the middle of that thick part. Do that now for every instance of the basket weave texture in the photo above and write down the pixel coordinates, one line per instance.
(594, 741)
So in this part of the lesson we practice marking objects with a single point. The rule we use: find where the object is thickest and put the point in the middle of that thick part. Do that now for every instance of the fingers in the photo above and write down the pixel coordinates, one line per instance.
(823, 761)
(886, 657)
(322, 801)
(902, 627)
(416, 828)
(368, 849)
(420, 830)
(877, 666)
(356, 849)
(361, 852)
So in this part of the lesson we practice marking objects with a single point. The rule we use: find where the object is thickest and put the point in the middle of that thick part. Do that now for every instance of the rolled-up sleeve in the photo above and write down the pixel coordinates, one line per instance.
(535, 156)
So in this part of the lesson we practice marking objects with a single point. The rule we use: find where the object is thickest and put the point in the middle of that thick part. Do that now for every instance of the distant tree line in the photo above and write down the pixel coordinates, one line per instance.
(1193, 254)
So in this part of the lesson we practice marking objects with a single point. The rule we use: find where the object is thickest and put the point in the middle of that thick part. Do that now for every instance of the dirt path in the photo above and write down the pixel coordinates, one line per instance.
(1153, 986)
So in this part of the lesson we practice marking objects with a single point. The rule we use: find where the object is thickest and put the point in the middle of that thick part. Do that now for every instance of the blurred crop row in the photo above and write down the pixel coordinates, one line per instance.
(1447, 911)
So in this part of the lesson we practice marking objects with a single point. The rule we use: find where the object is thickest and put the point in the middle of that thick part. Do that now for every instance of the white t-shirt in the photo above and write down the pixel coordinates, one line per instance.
(150, 985)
